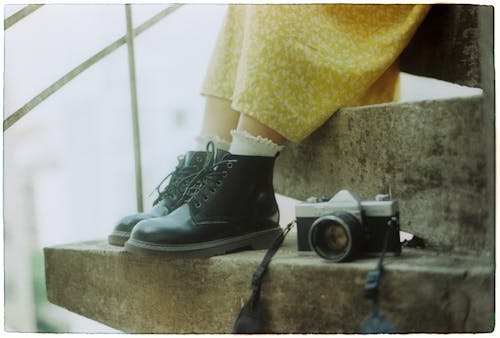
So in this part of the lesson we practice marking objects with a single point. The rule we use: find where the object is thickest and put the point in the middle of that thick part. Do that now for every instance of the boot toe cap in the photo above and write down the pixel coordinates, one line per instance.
(127, 223)
(154, 231)
(170, 229)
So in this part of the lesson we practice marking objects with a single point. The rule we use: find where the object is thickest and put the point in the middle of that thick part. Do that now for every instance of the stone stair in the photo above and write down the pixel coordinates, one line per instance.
(437, 158)
(438, 174)
(421, 291)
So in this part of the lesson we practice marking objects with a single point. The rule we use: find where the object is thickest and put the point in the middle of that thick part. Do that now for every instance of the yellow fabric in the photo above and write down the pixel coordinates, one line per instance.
(292, 66)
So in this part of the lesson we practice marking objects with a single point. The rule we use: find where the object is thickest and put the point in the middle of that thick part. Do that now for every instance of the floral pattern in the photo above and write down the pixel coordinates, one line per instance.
(292, 66)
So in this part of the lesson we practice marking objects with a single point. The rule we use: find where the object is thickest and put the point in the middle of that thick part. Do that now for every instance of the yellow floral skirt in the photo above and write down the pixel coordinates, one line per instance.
(292, 66)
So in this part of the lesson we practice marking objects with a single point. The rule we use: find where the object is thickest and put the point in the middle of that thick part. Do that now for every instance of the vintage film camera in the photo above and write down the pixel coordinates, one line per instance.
(346, 226)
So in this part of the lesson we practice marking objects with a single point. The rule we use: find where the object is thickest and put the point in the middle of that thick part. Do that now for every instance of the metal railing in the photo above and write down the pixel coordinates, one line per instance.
(58, 84)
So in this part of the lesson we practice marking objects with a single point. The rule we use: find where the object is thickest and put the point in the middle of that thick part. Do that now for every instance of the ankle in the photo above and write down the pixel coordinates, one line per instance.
(245, 143)
(219, 142)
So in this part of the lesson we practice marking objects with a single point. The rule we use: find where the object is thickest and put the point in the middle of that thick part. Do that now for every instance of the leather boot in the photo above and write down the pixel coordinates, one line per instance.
(168, 199)
(233, 207)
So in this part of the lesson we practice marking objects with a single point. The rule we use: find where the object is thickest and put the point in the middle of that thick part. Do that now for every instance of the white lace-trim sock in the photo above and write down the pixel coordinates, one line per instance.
(219, 143)
(245, 143)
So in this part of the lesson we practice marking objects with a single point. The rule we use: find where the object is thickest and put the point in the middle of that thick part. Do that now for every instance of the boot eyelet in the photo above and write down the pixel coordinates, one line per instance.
(197, 204)
(229, 165)
(212, 190)
(224, 173)
(205, 198)
(218, 182)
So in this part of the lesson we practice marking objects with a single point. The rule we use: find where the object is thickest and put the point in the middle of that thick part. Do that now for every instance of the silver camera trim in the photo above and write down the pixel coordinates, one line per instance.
(344, 200)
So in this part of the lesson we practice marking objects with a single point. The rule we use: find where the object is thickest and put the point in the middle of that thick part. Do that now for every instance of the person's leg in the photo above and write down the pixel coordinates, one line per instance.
(219, 118)
(218, 121)
(256, 128)
(253, 138)
(237, 196)
(234, 206)
(287, 68)
(301, 63)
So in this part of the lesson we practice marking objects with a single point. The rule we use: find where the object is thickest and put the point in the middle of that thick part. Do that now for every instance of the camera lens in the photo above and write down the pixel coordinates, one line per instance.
(336, 236)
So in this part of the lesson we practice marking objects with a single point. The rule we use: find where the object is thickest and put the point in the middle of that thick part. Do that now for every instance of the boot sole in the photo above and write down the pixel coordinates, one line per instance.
(256, 241)
(118, 238)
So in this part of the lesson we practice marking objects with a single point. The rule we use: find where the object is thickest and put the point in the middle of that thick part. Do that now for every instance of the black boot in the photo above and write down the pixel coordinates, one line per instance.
(170, 198)
(233, 207)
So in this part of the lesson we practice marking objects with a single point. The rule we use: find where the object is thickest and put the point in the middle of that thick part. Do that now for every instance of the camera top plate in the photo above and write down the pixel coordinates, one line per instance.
(346, 201)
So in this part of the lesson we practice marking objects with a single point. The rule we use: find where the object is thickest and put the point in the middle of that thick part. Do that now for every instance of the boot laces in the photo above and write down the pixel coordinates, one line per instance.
(208, 178)
(178, 183)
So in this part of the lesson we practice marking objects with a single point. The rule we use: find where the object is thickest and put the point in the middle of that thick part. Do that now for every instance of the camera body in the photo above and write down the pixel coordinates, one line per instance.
(345, 226)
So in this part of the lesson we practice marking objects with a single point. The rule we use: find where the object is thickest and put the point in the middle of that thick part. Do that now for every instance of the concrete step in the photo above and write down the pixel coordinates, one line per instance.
(421, 291)
(436, 157)
(454, 43)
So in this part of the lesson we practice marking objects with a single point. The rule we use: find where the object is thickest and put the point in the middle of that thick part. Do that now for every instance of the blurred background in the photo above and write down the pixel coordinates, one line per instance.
(69, 164)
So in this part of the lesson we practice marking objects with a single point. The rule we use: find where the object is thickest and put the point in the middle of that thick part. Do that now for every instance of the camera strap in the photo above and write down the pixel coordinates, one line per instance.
(377, 323)
(251, 319)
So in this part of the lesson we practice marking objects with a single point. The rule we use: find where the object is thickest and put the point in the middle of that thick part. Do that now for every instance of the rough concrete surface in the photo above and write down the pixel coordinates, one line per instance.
(436, 157)
(447, 44)
(421, 291)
